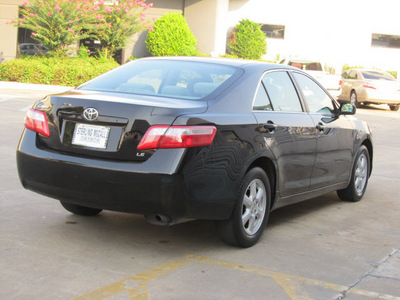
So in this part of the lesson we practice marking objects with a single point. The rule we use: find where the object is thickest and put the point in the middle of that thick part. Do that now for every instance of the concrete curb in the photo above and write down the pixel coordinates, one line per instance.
(31, 86)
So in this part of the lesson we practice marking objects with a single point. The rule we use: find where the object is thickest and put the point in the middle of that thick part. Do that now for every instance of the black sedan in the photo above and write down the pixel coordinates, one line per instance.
(178, 139)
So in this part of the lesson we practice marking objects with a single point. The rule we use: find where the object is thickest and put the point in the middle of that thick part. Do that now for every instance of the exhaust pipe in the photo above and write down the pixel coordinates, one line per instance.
(161, 220)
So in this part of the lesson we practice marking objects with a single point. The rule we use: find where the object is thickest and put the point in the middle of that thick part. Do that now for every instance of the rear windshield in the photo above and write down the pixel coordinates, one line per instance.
(377, 75)
(165, 78)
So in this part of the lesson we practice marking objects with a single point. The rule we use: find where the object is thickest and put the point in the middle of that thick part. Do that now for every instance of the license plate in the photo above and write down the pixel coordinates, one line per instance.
(91, 136)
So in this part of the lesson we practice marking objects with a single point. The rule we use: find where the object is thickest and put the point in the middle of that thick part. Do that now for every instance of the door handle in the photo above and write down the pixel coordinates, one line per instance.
(321, 127)
(270, 126)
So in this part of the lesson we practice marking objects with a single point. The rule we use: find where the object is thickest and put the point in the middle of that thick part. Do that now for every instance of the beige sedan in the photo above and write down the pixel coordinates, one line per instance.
(362, 87)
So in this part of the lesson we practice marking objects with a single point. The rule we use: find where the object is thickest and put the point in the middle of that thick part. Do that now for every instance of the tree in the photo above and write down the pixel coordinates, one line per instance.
(58, 23)
(115, 24)
(247, 40)
(55, 24)
(171, 36)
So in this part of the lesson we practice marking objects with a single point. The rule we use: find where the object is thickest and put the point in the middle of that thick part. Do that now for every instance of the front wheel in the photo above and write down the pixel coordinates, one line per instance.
(394, 107)
(80, 210)
(359, 177)
(247, 222)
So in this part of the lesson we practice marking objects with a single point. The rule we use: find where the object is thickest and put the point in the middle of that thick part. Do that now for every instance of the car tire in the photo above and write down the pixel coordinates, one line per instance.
(394, 107)
(247, 222)
(353, 99)
(80, 210)
(359, 177)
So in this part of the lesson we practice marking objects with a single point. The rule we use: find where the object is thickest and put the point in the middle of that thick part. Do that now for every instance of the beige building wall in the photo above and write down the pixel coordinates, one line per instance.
(207, 20)
(8, 33)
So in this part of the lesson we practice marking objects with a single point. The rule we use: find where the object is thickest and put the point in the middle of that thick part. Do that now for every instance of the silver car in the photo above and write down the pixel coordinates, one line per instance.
(362, 87)
(32, 49)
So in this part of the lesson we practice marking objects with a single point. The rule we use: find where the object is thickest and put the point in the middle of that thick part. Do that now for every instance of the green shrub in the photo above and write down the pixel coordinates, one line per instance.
(247, 40)
(346, 67)
(229, 55)
(393, 73)
(67, 71)
(171, 36)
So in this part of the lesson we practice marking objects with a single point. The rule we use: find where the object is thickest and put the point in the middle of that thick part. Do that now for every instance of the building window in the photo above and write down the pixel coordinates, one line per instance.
(273, 31)
(385, 40)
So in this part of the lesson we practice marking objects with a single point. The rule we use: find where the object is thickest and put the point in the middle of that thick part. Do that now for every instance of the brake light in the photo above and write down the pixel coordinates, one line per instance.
(340, 82)
(163, 137)
(36, 120)
(369, 86)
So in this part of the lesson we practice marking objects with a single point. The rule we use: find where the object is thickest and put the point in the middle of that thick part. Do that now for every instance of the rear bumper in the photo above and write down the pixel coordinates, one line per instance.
(118, 186)
(379, 98)
(100, 188)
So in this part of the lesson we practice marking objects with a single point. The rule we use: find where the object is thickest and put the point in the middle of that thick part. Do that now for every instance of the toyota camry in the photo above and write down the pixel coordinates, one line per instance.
(177, 139)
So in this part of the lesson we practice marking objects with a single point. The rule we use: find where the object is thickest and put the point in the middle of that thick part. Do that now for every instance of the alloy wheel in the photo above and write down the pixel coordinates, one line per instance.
(254, 207)
(361, 174)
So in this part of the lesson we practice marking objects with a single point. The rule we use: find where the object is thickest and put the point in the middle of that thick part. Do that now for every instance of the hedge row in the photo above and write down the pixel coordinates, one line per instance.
(55, 71)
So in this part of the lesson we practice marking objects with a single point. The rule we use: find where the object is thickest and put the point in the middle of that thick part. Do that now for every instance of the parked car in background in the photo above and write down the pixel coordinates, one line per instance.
(318, 71)
(32, 49)
(362, 87)
(195, 138)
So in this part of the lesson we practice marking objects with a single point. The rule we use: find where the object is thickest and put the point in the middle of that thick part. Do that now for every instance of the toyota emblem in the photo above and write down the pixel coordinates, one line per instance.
(90, 114)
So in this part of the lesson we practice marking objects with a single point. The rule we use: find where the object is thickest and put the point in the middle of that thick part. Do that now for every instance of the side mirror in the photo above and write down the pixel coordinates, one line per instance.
(347, 109)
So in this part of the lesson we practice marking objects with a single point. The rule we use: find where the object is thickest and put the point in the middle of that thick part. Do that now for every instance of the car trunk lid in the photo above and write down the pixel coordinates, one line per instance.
(108, 125)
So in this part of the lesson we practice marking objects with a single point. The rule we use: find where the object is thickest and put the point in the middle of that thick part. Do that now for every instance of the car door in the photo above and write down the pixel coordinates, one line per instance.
(334, 134)
(287, 130)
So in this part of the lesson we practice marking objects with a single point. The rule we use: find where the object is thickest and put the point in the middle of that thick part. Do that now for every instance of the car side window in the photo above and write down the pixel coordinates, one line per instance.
(281, 92)
(317, 99)
(352, 75)
(261, 102)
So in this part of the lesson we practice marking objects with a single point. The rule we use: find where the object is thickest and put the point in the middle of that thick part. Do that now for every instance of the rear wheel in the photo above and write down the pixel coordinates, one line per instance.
(247, 222)
(80, 210)
(394, 107)
(359, 178)
(353, 99)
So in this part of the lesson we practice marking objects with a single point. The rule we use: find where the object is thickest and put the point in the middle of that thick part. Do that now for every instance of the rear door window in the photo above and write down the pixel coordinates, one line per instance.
(376, 75)
(261, 101)
(281, 92)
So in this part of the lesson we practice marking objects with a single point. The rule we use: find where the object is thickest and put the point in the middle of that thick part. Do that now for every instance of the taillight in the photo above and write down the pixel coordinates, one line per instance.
(369, 86)
(162, 137)
(36, 120)
(340, 82)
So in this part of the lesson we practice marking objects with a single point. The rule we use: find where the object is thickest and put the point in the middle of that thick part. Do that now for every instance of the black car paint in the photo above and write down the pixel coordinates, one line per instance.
(196, 183)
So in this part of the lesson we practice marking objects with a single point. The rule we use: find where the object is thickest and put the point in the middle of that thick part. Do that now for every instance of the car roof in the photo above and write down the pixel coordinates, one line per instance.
(239, 63)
